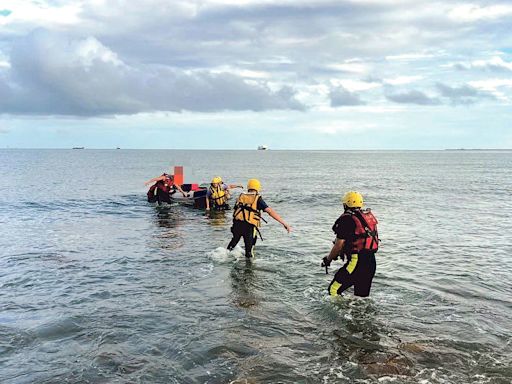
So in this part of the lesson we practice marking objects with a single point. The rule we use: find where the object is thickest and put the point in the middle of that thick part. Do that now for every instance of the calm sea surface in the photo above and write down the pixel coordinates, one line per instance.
(99, 286)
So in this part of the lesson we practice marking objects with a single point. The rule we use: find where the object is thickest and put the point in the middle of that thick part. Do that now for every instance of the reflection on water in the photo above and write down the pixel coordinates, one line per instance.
(243, 280)
(168, 219)
(219, 218)
(166, 216)
(105, 288)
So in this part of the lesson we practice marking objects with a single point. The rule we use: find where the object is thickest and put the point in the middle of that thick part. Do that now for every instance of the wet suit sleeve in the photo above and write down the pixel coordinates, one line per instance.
(261, 204)
(345, 228)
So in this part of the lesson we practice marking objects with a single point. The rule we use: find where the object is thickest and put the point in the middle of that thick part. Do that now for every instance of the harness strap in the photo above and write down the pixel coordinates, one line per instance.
(217, 192)
(259, 233)
(372, 234)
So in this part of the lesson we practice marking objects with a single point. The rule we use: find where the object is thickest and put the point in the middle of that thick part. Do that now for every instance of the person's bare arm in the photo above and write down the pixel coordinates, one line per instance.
(207, 202)
(233, 186)
(273, 214)
(336, 249)
(178, 187)
(154, 179)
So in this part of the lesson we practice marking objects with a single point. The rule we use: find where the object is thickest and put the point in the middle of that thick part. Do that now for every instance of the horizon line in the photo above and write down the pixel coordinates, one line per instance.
(256, 150)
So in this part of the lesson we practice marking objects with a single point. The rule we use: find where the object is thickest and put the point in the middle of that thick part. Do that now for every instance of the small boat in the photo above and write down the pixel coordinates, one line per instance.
(195, 194)
(262, 147)
(78, 147)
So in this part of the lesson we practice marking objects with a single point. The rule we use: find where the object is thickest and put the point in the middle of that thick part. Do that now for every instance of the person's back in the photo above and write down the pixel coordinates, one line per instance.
(356, 241)
(247, 217)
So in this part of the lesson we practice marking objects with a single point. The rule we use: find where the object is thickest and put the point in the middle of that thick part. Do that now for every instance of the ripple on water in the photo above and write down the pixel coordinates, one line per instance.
(100, 287)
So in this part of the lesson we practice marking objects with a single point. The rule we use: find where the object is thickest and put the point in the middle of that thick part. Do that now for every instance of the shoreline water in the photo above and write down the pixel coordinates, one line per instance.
(100, 286)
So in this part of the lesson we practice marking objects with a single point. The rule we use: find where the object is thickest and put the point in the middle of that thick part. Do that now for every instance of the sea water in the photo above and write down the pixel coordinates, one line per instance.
(99, 286)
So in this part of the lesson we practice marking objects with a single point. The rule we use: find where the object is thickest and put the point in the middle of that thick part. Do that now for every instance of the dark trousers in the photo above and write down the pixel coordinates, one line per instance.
(223, 207)
(248, 232)
(358, 271)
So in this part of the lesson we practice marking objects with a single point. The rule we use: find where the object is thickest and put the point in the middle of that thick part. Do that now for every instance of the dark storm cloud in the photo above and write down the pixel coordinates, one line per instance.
(412, 97)
(342, 97)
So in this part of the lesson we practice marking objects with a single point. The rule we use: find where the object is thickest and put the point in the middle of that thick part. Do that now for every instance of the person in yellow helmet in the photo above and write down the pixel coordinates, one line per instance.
(218, 194)
(247, 217)
(357, 239)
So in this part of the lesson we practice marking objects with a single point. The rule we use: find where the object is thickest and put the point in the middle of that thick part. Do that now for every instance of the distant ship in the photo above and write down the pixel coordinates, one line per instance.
(78, 147)
(262, 148)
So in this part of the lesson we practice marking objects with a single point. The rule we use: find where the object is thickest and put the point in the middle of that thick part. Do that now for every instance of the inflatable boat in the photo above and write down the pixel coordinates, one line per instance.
(195, 194)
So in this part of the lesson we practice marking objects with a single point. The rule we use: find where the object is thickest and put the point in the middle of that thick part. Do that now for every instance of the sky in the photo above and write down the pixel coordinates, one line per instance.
(235, 74)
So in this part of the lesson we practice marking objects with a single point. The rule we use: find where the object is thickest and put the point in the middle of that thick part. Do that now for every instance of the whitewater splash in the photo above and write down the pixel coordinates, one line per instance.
(222, 255)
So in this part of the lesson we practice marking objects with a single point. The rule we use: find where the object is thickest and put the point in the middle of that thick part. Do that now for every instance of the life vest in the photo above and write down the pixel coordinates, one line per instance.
(160, 190)
(218, 195)
(366, 235)
(165, 185)
(246, 209)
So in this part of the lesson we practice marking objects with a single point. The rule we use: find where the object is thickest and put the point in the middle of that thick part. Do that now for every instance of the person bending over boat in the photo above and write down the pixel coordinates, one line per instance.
(218, 194)
(162, 188)
(247, 217)
(357, 239)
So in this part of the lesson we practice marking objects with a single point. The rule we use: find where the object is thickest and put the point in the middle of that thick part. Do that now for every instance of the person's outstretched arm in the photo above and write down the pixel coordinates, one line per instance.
(273, 214)
(181, 190)
(154, 179)
(233, 186)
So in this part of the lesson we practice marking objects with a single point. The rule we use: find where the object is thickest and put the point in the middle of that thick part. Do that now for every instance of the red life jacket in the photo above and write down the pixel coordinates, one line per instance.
(366, 235)
(165, 185)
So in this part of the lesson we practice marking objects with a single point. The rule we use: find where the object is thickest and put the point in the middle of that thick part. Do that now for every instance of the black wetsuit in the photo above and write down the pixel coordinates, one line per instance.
(359, 269)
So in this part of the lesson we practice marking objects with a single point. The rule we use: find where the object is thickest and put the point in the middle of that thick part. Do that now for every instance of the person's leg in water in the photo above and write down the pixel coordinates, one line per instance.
(364, 275)
(343, 279)
(236, 230)
(250, 236)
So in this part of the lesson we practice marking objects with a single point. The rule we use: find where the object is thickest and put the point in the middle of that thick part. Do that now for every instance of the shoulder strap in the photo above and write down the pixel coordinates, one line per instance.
(369, 233)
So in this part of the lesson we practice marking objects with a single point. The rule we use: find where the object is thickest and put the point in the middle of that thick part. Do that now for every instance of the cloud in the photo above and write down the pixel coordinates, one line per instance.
(494, 64)
(103, 57)
(342, 97)
(413, 97)
(490, 85)
(356, 85)
(464, 94)
(23, 16)
(56, 75)
(401, 80)
(472, 12)
(410, 56)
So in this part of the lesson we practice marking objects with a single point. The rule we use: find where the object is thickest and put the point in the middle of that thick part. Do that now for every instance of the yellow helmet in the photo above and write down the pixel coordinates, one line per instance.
(254, 184)
(353, 199)
(217, 180)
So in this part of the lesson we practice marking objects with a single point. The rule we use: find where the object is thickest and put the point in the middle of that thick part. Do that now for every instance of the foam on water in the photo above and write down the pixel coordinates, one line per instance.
(223, 255)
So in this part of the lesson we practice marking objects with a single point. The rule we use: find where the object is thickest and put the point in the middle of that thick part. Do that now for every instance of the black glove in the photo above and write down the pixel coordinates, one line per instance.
(326, 262)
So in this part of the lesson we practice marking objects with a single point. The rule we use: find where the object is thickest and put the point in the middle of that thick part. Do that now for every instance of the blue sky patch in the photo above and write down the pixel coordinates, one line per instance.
(5, 12)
